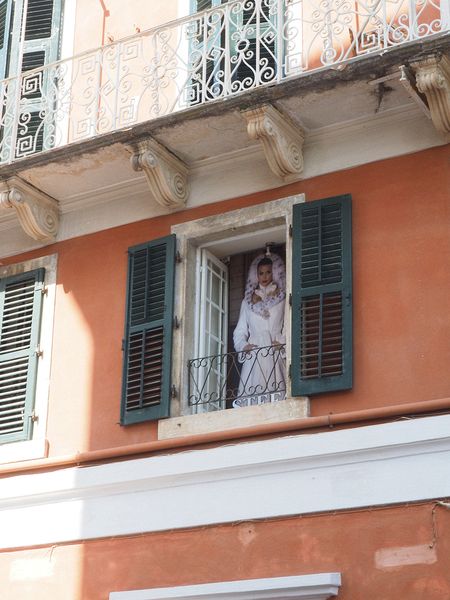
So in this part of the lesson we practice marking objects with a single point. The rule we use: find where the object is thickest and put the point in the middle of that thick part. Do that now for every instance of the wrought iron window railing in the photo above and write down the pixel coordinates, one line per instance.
(224, 51)
(237, 379)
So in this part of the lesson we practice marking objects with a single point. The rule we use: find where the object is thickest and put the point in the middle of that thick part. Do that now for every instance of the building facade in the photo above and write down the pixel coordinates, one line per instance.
(171, 424)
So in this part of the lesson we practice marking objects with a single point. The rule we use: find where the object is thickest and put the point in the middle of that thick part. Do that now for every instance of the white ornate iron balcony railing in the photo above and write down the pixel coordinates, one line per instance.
(221, 52)
(237, 379)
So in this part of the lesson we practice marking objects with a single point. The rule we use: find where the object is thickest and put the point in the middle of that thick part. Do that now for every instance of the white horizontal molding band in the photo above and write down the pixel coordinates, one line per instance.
(318, 586)
(365, 466)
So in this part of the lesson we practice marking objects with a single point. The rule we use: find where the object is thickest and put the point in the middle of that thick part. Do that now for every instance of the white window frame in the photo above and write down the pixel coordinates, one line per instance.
(37, 447)
(203, 257)
(245, 222)
(318, 586)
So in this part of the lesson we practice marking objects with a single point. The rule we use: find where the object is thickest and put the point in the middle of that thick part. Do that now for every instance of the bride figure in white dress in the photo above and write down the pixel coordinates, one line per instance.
(260, 333)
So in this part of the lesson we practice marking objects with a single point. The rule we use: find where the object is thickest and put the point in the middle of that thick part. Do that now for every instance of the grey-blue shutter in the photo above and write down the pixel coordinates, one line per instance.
(148, 331)
(20, 322)
(322, 296)
(199, 5)
(6, 8)
(40, 47)
(42, 35)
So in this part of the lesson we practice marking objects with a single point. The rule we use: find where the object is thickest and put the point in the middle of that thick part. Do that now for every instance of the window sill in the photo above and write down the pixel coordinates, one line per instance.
(19, 451)
(224, 420)
(319, 586)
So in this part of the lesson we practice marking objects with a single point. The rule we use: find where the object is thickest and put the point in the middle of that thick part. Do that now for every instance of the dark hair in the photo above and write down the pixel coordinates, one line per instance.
(264, 261)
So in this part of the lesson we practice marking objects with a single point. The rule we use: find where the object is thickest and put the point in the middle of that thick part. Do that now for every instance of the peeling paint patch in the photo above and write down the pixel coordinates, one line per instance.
(386, 558)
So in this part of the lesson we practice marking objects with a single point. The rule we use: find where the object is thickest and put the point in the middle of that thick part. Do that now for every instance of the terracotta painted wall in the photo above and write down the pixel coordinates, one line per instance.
(379, 554)
(99, 22)
(401, 211)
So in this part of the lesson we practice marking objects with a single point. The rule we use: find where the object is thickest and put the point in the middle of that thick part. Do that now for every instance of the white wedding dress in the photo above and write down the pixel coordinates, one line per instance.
(263, 374)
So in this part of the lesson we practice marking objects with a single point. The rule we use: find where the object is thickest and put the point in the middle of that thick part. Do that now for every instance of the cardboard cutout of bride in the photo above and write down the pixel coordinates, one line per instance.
(259, 333)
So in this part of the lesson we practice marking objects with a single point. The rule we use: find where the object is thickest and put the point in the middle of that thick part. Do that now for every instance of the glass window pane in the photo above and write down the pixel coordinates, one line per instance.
(215, 292)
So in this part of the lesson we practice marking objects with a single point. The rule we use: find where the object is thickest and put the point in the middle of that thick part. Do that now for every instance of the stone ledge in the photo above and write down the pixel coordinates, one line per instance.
(224, 420)
(317, 586)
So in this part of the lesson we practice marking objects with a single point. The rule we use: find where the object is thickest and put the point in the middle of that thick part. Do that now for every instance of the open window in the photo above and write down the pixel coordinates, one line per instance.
(211, 368)
(229, 317)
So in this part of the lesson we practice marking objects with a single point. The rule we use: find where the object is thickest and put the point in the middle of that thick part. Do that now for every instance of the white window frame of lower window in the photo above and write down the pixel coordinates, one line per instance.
(205, 304)
(319, 586)
(37, 447)
(251, 222)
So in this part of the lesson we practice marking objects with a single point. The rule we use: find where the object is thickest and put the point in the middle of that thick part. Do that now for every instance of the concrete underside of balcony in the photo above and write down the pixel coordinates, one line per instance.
(348, 119)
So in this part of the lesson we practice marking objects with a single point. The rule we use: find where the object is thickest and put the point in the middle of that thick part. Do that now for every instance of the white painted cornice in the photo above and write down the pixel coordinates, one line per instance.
(433, 80)
(367, 466)
(166, 174)
(37, 212)
(318, 586)
(281, 139)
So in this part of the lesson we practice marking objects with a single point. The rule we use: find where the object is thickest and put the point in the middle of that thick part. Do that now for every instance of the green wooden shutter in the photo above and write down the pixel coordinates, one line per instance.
(42, 35)
(322, 296)
(199, 5)
(148, 331)
(40, 47)
(6, 7)
(20, 321)
(206, 41)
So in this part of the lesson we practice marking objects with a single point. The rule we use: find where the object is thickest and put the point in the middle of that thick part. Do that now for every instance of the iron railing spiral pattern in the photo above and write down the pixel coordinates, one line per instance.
(217, 382)
(211, 55)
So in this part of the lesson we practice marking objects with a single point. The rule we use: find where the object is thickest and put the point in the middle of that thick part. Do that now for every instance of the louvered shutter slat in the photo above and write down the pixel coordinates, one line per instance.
(20, 315)
(321, 298)
(39, 19)
(202, 5)
(6, 7)
(40, 47)
(148, 331)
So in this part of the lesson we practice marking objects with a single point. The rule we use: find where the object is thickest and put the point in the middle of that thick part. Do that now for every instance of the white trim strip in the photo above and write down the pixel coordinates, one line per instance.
(309, 587)
(368, 466)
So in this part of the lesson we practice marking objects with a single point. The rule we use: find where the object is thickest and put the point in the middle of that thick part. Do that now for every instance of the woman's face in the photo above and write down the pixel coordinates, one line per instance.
(264, 275)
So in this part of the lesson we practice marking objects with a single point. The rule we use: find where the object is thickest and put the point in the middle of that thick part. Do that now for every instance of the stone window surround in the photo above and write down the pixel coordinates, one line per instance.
(37, 447)
(191, 235)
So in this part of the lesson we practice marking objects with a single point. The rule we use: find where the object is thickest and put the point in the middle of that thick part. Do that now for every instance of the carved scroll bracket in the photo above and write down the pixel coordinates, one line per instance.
(282, 140)
(433, 80)
(37, 212)
(166, 174)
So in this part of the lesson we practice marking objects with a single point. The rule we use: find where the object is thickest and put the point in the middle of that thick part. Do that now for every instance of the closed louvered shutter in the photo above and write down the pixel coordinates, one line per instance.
(42, 34)
(200, 5)
(322, 296)
(20, 317)
(148, 331)
(40, 47)
(6, 7)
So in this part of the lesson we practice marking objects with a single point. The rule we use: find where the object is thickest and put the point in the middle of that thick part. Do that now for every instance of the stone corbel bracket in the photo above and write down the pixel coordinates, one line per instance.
(433, 80)
(37, 212)
(282, 140)
(166, 174)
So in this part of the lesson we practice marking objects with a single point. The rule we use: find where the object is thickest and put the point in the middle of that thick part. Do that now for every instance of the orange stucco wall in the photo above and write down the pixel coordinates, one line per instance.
(100, 22)
(379, 554)
(401, 251)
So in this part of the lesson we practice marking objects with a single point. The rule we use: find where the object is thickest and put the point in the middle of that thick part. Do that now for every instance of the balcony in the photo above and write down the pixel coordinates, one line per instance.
(217, 54)
(237, 379)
